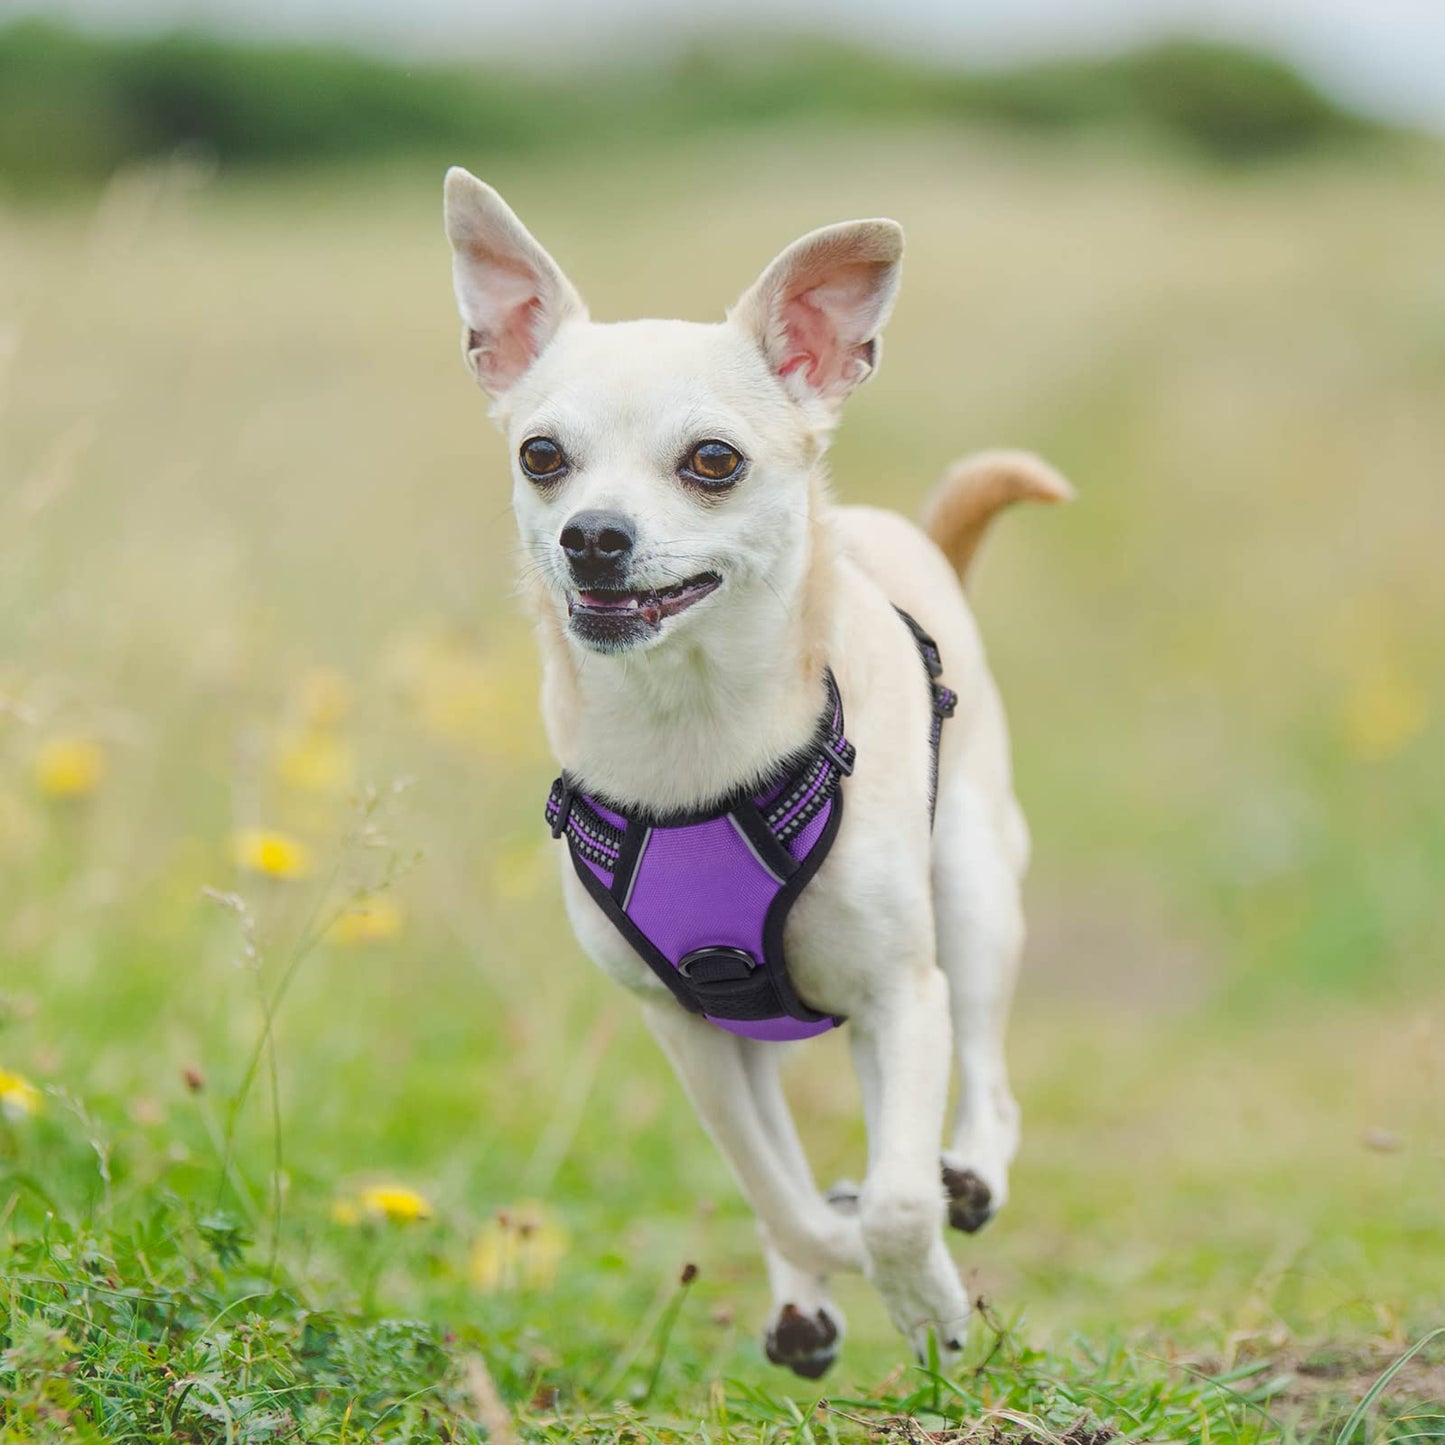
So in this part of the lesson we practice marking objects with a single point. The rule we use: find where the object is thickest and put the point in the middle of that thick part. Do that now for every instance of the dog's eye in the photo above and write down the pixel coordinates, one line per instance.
(542, 458)
(713, 463)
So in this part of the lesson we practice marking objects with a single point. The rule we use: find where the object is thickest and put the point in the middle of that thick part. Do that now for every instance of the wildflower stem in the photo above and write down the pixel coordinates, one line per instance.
(664, 1330)
(311, 934)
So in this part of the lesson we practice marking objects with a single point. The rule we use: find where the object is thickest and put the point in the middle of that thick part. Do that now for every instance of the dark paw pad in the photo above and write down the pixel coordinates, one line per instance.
(970, 1205)
(925, 1353)
(806, 1344)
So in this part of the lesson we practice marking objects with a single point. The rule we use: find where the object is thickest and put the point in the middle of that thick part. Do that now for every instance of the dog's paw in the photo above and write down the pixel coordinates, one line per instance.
(970, 1200)
(928, 1304)
(806, 1343)
(944, 1344)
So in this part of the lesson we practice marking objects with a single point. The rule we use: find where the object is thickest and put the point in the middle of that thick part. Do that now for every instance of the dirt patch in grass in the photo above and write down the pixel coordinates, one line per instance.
(1348, 1375)
(988, 1432)
(1312, 1392)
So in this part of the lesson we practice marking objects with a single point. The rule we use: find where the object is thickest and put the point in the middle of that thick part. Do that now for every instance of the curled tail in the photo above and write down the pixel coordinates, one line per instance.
(972, 490)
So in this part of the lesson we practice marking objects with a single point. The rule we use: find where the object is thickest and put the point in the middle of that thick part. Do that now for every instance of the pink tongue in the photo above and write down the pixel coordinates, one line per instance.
(649, 609)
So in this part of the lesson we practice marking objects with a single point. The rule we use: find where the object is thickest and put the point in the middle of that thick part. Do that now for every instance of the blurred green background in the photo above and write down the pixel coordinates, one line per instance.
(258, 634)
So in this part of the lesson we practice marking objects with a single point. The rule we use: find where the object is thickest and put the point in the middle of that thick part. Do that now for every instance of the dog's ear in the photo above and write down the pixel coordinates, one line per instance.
(817, 311)
(511, 293)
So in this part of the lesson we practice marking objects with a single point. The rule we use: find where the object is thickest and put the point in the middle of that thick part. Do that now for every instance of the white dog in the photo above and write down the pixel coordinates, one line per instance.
(710, 622)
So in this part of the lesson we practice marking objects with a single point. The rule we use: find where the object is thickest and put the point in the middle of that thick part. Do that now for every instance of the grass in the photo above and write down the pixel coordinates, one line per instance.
(257, 577)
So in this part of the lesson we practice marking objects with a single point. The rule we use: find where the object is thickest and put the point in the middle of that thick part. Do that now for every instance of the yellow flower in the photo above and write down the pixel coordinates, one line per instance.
(520, 1247)
(373, 920)
(484, 701)
(522, 871)
(1384, 709)
(394, 1202)
(19, 1098)
(69, 768)
(315, 762)
(324, 698)
(260, 850)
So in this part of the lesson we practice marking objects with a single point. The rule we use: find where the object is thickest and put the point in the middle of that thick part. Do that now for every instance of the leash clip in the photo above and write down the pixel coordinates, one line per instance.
(719, 965)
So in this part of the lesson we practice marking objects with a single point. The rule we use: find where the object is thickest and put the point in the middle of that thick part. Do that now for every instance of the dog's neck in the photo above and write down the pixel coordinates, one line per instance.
(686, 724)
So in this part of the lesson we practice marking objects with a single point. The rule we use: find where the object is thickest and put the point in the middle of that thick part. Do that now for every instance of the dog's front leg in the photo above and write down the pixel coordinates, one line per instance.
(798, 1223)
(805, 1330)
(903, 1047)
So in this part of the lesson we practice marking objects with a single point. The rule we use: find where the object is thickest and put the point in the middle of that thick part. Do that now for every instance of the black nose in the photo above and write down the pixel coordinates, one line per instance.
(597, 545)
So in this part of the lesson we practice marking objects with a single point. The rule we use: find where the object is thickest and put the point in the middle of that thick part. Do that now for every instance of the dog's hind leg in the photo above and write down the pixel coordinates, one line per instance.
(978, 860)
(806, 1328)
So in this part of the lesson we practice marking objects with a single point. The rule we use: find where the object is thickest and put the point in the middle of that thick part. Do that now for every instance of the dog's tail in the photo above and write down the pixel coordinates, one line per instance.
(975, 488)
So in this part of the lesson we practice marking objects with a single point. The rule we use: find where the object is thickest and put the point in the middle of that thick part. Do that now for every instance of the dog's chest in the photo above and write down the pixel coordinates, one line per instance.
(860, 912)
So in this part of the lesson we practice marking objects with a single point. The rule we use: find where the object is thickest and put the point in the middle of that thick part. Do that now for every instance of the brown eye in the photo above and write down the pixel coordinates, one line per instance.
(713, 463)
(542, 458)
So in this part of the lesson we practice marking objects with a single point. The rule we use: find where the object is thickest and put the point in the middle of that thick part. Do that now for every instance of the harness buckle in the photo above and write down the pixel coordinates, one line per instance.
(565, 794)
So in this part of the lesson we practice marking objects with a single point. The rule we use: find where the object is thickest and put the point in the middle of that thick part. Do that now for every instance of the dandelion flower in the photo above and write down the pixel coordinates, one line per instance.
(19, 1098)
(260, 850)
(394, 1202)
(315, 762)
(1384, 710)
(373, 920)
(69, 768)
(520, 1247)
(484, 702)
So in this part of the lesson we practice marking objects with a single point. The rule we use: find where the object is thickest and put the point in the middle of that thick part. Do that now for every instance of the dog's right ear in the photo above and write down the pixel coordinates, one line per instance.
(511, 293)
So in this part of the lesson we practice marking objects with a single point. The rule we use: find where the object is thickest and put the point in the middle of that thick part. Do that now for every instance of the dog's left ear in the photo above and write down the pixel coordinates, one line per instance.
(511, 293)
(819, 309)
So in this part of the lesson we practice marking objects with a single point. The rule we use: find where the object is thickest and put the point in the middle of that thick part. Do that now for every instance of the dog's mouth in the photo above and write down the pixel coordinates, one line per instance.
(611, 618)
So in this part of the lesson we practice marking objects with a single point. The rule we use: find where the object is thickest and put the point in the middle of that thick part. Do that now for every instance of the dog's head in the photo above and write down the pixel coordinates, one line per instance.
(662, 468)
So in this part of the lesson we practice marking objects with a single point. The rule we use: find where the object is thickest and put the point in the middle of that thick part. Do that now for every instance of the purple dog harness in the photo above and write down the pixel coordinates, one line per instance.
(703, 897)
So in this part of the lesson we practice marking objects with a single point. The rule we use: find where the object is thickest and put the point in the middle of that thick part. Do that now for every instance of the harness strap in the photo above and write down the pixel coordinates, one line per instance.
(785, 810)
(703, 897)
(945, 701)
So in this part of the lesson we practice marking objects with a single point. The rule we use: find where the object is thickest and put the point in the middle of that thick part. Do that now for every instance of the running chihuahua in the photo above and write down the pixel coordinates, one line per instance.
(710, 622)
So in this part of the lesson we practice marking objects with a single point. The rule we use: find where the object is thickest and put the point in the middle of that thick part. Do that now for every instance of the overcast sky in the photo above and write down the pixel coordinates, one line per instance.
(1385, 55)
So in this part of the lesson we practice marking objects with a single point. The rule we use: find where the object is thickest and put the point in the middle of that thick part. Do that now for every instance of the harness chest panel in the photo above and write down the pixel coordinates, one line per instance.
(703, 898)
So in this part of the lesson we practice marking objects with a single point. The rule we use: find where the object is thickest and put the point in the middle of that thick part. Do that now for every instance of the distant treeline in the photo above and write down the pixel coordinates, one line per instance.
(75, 106)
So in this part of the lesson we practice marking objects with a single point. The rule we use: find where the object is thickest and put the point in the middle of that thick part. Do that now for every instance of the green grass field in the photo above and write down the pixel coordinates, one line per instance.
(257, 575)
